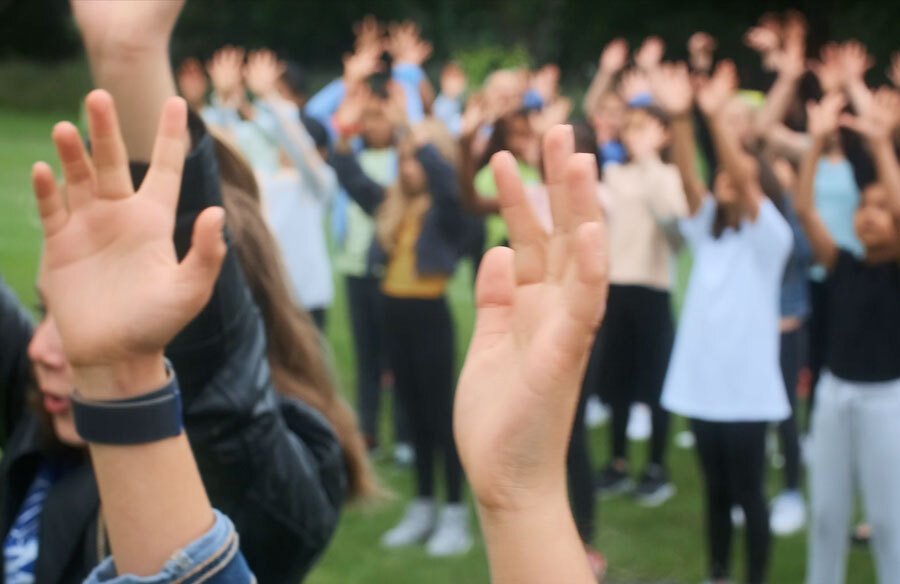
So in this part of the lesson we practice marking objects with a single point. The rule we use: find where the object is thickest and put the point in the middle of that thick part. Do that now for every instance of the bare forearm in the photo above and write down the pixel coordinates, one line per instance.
(535, 546)
(140, 81)
(777, 103)
(154, 502)
(734, 163)
(601, 84)
(684, 153)
(804, 199)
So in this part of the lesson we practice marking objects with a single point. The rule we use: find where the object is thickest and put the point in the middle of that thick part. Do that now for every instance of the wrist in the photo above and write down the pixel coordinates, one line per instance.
(123, 379)
(125, 55)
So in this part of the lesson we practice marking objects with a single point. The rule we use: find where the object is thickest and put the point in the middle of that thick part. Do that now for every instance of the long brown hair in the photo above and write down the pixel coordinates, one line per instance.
(294, 346)
(398, 203)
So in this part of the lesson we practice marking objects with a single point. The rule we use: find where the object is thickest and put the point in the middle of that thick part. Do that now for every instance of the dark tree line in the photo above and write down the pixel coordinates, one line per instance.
(569, 32)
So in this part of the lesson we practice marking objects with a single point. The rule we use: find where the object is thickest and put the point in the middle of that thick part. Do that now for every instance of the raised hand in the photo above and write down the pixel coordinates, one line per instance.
(225, 71)
(881, 118)
(716, 92)
(192, 82)
(474, 116)
(893, 72)
(109, 272)
(125, 25)
(650, 55)
(762, 39)
(453, 81)
(262, 72)
(790, 61)
(829, 69)
(539, 305)
(614, 57)
(405, 43)
(552, 114)
(634, 84)
(369, 34)
(545, 81)
(856, 60)
(672, 90)
(360, 65)
(701, 48)
(349, 114)
(823, 117)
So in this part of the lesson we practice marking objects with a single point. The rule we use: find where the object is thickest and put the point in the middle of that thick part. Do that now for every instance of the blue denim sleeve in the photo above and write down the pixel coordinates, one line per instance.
(409, 76)
(449, 111)
(215, 558)
(324, 103)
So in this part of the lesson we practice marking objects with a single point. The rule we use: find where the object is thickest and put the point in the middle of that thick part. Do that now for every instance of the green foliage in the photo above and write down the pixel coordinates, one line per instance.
(478, 62)
(43, 87)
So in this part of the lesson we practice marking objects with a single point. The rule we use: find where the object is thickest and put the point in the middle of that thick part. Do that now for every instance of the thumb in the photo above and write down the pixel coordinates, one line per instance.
(198, 271)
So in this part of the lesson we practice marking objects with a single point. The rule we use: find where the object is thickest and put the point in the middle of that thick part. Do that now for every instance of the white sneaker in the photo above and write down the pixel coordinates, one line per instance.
(639, 423)
(451, 537)
(788, 513)
(404, 454)
(685, 440)
(595, 413)
(737, 516)
(417, 524)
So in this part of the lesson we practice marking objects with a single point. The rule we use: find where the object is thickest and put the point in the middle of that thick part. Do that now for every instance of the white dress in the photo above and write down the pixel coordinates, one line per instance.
(725, 362)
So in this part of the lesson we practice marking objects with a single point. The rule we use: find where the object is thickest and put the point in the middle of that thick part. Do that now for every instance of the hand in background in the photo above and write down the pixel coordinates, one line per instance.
(225, 71)
(405, 44)
(716, 92)
(614, 57)
(262, 72)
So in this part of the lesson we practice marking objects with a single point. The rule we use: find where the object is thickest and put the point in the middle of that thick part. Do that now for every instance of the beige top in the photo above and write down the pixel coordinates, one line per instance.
(648, 198)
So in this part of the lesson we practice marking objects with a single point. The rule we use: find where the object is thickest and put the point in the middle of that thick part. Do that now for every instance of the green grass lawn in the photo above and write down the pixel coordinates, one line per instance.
(663, 545)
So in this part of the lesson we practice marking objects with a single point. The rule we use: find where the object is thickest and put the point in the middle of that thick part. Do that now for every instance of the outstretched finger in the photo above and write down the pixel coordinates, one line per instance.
(109, 154)
(494, 294)
(559, 144)
(77, 168)
(163, 181)
(198, 271)
(526, 235)
(51, 207)
(581, 189)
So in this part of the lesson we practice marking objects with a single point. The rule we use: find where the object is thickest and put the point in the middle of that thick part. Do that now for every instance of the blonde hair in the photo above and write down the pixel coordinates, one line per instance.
(293, 344)
(398, 204)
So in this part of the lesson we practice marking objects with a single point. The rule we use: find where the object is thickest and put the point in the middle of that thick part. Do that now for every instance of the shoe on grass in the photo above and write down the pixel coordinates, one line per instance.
(640, 425)
(654, 487)
(404, 454)
(612, 481)
(417, 524)
(451, 537)
(788, 513)
(595, 413)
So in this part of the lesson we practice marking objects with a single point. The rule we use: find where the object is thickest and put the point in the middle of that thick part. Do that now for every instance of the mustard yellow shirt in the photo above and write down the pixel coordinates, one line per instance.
(402, 279)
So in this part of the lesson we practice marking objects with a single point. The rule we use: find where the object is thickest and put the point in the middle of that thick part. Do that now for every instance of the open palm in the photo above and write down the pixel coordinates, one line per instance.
(539, 305)
(109, 272)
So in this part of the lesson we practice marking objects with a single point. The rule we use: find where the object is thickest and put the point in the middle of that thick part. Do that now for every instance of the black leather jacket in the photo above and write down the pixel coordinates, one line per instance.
(271, 464)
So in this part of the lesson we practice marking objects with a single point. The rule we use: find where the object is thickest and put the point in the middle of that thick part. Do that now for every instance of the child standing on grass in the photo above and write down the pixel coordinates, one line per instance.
(855, 441)
(724, 372)
(420, 227)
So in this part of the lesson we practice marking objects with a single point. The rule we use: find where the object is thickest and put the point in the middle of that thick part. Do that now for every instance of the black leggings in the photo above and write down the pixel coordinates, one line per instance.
(732, 456)
(420, 345)
(366, 304)
(632, 356)
(793, 357)
(581, 481)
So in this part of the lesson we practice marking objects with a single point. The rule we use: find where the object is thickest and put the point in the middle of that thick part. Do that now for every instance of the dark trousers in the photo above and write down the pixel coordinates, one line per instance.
(732, 457)
(631, 357)
(580, 474)
(421, 347)
(366, 303)
(793, 357)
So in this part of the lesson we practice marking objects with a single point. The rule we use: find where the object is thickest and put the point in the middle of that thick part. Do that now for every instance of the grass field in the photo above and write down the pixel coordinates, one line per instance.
(663, 545)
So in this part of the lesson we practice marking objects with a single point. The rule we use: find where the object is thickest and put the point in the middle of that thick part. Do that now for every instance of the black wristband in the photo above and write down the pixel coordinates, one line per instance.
(147, 418)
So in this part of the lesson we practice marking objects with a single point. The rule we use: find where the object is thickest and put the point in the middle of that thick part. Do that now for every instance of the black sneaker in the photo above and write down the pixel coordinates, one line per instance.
(654, 488)
(611, 482)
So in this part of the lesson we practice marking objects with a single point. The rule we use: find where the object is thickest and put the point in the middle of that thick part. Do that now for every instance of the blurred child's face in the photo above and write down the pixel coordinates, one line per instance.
(521, 140)
(874, 222)
(609, 117)
(377, 131)
(412, 176)
(503, 92)
(644, 135)
(738, 119)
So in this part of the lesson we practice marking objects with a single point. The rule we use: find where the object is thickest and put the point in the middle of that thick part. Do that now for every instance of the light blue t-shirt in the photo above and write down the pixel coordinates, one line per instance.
(837, 198)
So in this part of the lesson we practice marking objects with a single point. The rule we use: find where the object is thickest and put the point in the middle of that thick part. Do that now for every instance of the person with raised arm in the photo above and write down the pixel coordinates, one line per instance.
(854, 430)
(539, 305)
(273, 443)
(724, 372)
